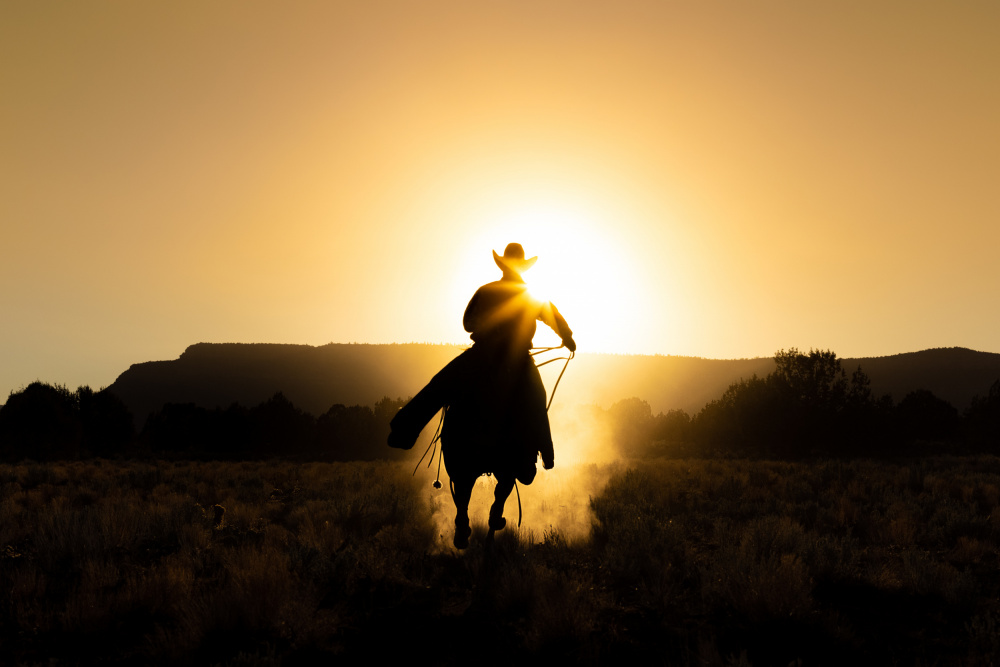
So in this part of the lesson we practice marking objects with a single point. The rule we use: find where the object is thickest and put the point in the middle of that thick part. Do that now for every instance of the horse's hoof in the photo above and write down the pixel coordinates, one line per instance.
(498, 523)
(462, 534)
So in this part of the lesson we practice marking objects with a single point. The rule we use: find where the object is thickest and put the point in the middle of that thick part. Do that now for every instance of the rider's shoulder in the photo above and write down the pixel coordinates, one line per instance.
(502, 287)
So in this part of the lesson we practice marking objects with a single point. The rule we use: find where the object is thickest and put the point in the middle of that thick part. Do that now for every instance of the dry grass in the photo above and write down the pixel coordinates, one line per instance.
(706, 562)
(136, 559)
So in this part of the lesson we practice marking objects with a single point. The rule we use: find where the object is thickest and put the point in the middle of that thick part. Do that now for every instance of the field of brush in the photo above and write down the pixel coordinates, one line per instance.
(688, 562)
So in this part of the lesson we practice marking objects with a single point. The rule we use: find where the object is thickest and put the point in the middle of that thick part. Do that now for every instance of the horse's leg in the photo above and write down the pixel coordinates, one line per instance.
(505, 484)
(463, 492)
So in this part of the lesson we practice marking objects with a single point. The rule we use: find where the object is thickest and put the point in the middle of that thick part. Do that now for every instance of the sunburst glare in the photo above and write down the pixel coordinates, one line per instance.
(583, 270)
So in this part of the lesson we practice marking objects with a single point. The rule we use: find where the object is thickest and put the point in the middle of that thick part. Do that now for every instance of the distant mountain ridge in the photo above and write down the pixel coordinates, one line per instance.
(956, 374)
(314, 378)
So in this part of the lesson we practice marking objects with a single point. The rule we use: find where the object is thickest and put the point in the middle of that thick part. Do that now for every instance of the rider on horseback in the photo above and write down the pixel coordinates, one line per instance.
(494, 393)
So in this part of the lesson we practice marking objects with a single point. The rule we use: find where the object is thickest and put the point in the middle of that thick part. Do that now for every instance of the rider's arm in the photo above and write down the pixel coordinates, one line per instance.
(551, 316)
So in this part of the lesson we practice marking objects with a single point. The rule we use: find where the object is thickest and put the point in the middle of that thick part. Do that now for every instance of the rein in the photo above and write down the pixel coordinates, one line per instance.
(540, 350)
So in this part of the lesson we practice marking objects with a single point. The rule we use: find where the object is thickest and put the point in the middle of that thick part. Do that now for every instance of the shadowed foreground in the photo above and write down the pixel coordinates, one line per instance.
(689, 562)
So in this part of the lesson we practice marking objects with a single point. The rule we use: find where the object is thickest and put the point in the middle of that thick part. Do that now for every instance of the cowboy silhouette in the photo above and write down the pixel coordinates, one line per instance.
(501, 318)
(497, 420)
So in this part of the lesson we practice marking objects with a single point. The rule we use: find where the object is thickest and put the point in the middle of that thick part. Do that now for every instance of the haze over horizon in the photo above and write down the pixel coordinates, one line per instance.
(697, 179)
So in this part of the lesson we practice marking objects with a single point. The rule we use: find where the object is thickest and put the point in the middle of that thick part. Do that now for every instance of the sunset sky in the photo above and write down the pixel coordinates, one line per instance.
(696, 178)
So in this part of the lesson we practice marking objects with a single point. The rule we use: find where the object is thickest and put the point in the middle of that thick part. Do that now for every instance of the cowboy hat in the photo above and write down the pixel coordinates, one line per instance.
(513, 259)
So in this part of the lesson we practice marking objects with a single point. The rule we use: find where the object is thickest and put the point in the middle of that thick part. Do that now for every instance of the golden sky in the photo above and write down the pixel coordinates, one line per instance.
(717, 179)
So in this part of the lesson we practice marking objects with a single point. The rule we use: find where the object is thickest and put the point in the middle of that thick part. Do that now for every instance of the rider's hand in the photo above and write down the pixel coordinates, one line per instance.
(570, 343)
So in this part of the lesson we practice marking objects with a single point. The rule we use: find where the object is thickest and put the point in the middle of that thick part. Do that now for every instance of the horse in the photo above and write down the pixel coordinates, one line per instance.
(494, 422)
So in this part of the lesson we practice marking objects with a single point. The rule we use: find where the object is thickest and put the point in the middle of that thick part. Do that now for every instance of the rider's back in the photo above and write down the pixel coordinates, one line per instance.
(501, 315)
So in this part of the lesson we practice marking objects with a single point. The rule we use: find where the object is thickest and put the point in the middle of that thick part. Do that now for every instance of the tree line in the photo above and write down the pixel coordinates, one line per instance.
(808, 406)
(46, 422)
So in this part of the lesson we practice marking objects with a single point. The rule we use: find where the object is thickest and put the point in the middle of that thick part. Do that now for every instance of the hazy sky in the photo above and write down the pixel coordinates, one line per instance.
(697, 178)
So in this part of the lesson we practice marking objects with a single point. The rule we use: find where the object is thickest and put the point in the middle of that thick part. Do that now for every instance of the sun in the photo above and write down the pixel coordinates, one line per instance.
(582, 269)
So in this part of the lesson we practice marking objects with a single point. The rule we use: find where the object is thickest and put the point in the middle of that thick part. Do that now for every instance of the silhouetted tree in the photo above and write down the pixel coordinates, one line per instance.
(982, 419)
(179, 428)
(281, 429)
(807, 405)
(357, 432)
(232, 432)
(40, 422)
(815, 380)
(673, 426)
(752, 413)
(631, 421)
(107, 426)
(385, 409)
(349, 433)
(923, 416)
(273, 428)
(46, 422)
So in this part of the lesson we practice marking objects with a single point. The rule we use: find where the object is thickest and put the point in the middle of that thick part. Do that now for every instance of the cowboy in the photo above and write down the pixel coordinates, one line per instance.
(501, 318)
